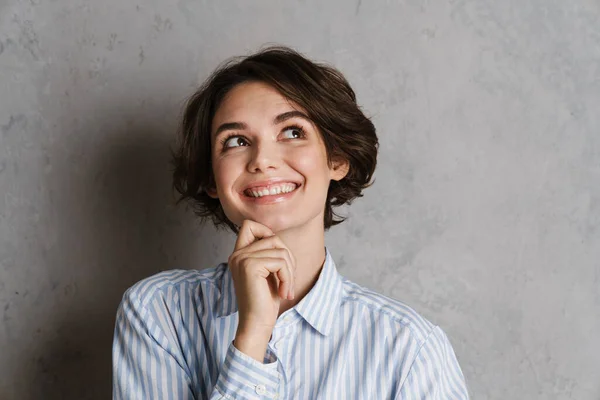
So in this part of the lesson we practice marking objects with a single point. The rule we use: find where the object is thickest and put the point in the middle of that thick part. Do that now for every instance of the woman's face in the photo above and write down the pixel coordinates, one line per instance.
(269, 160)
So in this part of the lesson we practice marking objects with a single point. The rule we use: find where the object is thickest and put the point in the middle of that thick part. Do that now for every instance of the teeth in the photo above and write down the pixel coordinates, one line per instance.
(273, 190)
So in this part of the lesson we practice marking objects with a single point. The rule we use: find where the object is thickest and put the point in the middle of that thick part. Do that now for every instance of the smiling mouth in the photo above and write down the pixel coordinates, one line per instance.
(271, 190)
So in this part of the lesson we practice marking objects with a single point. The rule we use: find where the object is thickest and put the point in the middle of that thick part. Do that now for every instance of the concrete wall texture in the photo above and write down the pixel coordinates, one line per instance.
(485, 214)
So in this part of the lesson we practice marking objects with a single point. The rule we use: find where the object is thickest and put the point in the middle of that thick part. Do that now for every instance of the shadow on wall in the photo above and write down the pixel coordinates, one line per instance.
(117, 224)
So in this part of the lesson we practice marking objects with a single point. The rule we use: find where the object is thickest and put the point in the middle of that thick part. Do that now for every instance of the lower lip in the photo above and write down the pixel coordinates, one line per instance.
(270, 199)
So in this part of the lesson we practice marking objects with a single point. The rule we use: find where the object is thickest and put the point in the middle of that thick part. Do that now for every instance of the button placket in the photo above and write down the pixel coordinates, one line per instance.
(284, 331)
(279, 339)
(279, 344)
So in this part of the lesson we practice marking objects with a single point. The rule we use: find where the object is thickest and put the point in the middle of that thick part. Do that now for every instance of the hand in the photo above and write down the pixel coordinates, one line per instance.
(263, 270)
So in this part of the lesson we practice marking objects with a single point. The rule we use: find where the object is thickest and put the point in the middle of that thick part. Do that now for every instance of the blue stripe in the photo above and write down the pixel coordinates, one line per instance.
(174, 333)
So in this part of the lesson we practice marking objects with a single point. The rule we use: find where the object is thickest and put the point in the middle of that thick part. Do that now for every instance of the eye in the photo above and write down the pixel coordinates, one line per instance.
(234, 141)
(294, 132)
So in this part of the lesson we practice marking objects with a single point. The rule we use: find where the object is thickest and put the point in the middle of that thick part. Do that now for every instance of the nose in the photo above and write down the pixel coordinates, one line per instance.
(264, 156)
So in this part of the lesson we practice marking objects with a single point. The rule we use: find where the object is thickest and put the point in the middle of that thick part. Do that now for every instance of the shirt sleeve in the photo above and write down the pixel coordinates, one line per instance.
(435, 373)
(143, 365)
(244, 378)
(146, 365)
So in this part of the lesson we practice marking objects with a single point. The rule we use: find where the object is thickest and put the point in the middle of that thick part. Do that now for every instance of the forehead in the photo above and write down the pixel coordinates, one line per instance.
(252, 100)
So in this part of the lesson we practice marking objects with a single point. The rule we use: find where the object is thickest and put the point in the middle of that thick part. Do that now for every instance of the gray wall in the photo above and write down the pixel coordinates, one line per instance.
(485, 214)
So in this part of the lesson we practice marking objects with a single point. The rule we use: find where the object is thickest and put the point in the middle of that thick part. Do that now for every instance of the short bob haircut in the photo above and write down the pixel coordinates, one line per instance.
(320, 89)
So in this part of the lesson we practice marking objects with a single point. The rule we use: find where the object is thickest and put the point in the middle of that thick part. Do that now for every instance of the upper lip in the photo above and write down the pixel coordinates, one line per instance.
(269, 182)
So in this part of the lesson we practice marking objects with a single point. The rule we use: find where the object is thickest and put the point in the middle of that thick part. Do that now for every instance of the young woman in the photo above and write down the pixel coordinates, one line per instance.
(268, 146)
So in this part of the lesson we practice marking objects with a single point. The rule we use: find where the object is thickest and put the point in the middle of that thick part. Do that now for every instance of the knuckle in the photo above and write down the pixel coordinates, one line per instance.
(238, 260)
(233, 258)
(270, 241)
(245, 262)
(245, 225)
(282, 253)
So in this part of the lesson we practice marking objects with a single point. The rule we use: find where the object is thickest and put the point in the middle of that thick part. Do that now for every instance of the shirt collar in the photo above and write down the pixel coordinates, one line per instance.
(319, 306)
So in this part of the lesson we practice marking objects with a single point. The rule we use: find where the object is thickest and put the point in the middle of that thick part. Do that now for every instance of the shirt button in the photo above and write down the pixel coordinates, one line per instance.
(261, 389)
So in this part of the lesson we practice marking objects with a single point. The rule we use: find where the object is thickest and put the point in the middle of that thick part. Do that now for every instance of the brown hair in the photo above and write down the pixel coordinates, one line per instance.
(320, 89)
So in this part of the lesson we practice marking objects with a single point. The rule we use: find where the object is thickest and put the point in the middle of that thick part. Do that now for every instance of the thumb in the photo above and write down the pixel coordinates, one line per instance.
(250, 232)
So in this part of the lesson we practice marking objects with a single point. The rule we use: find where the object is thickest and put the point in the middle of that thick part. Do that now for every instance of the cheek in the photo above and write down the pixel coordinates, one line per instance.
(311, 162)
(225, 172)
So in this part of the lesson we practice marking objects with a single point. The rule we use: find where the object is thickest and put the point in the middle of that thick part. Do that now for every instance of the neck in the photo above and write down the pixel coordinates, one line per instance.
(307, 244)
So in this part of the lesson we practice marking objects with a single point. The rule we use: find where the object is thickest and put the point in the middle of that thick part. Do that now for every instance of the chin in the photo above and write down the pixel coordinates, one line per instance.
(275, 223)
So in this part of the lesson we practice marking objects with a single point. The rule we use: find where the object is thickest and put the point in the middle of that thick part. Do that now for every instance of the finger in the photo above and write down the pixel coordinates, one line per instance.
(274, 242)
(274, 285)
(281, 253)
(250, 232)
(253, 232)
(277, 266)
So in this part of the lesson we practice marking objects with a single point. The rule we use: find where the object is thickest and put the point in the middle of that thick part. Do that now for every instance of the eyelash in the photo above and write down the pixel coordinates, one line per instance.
(232, 135)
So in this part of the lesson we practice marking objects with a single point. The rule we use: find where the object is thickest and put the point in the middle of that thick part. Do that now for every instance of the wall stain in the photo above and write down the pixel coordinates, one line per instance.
(70, 289)
(13, 119)
(29, 39)
(96, 67)
(161, 25)
(5, 317)
(112, 39)
(429, 32)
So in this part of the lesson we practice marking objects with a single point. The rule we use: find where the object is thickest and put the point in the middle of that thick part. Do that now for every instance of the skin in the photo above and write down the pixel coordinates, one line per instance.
(279, 251)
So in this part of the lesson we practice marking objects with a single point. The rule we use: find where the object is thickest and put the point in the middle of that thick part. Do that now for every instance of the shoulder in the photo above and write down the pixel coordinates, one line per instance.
(176, 280)
(420, 348)
(386, 309)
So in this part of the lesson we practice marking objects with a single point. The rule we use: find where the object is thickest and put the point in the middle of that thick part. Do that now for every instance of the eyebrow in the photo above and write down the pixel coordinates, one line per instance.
(277, 120)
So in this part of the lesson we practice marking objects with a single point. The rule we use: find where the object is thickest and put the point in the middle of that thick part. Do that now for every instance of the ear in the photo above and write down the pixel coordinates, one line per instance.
(339, 169)
(212, 192)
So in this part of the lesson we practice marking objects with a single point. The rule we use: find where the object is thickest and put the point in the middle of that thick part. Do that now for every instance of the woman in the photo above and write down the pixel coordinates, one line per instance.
(268, 146)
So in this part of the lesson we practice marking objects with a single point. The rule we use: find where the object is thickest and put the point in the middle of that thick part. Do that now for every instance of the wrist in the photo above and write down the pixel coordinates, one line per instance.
(253, 344)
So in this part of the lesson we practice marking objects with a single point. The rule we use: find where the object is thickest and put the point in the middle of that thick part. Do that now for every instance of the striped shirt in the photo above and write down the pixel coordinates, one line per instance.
(174, 333)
